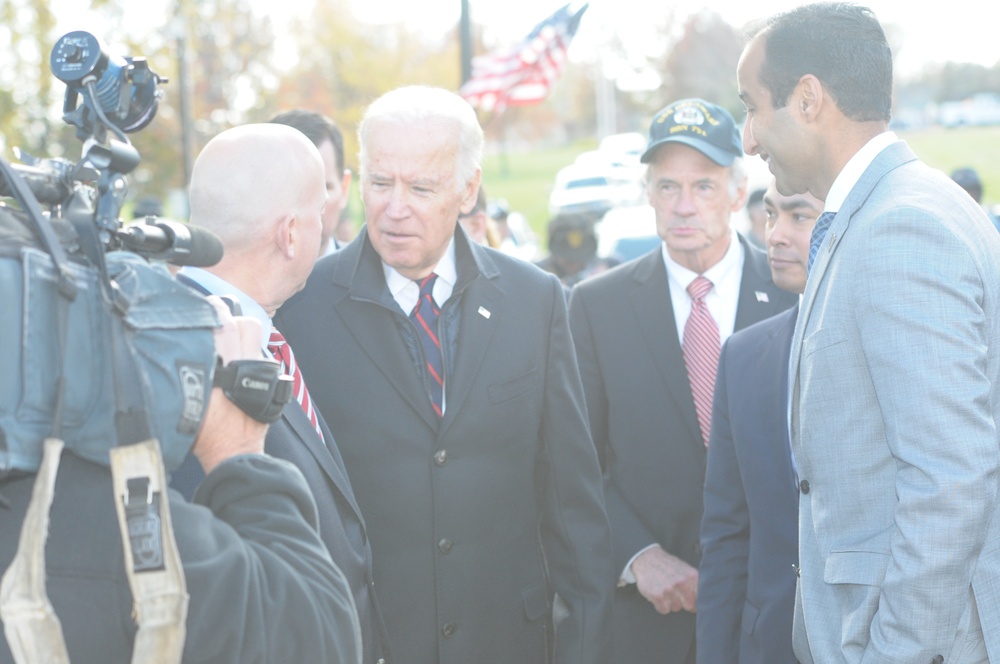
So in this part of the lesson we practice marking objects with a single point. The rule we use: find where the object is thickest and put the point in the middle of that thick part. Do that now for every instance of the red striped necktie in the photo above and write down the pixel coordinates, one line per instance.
(283, 353)
(701, 353)
(425, 319)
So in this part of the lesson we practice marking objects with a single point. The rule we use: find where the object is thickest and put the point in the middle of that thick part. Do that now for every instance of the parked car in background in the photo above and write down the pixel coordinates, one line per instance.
(627, 147)
(625, 233)
(592, 188)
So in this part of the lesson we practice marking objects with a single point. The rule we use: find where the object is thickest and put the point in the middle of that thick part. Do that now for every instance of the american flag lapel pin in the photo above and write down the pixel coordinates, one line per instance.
(484, 312)
(761, 296)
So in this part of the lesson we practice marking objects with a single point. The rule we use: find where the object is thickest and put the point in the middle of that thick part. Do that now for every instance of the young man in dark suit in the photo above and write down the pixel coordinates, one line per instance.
(260, 188)
(648, 336)
(749, 532)
(446, 371)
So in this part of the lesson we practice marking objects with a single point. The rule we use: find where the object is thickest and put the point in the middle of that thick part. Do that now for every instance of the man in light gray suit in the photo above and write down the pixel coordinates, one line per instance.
(895, 361)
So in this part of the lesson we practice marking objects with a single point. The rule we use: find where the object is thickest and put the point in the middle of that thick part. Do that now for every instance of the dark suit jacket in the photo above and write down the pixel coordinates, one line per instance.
(749, 532)
(341, 526)
(477, 518)
(643, 421)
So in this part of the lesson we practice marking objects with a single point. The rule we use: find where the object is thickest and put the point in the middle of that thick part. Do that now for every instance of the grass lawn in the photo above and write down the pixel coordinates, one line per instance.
(525, 178)
(974, 147)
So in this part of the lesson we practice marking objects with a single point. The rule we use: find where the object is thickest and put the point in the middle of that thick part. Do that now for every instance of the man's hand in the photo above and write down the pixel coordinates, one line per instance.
(669, 583)
(227, 431)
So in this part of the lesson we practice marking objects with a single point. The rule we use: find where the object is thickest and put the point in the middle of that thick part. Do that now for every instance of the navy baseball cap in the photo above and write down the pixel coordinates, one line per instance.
(708, 128)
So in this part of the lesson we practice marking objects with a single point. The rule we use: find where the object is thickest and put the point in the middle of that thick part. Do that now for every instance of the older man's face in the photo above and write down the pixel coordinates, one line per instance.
(411, 196)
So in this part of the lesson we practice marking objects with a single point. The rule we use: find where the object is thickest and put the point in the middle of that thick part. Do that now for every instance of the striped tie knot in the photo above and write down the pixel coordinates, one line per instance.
(818, 234)
(699, 288)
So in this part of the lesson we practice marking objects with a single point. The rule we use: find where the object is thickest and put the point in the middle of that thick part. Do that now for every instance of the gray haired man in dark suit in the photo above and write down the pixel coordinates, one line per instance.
(447, 374)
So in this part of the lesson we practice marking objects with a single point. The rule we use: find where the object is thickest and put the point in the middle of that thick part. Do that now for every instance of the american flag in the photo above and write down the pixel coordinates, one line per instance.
(523, 74)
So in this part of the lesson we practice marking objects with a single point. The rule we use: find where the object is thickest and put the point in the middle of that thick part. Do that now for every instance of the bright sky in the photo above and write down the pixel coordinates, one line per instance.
(967, 31)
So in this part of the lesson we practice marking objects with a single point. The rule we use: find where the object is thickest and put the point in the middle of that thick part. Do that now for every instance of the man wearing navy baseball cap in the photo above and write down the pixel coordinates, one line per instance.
(648, 335)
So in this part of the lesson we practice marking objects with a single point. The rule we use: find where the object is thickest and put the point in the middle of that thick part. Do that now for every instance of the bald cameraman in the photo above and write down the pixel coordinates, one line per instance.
(262, 586)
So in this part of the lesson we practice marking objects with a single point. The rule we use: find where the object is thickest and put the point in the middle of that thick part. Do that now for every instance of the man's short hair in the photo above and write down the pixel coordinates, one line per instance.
(841, 44)
(416, 104)
(317, 128)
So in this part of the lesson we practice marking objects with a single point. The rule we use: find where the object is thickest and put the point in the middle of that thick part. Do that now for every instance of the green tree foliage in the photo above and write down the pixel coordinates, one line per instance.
(341, 65)
(703, 62)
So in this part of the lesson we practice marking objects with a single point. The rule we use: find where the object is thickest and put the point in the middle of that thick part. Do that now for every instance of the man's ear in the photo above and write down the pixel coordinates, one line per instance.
(809, 97)
(286, 235)
(742, 192)
(471, 192)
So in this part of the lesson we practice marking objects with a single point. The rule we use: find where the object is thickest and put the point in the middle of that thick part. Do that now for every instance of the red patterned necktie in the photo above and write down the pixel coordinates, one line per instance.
(701, 353)
(283, 353)
(425, 318)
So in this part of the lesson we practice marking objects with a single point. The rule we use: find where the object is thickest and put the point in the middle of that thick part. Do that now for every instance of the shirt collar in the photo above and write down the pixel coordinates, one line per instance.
(717, 274)
(216, 285)
(405, 291)
(855, 168)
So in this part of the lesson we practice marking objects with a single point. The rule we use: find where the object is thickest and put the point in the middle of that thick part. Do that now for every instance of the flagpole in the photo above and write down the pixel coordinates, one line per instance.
(465, 41)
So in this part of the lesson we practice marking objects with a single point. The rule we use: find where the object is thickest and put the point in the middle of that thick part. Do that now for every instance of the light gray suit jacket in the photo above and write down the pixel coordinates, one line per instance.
(895, 371)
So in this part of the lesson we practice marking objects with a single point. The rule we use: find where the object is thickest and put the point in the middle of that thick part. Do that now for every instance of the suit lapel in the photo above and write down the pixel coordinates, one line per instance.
(371, 315)
(890, 158)
(374, 328)
(326, 454)
(654, 313)
(780, 337)
(756, 289)
(482, 308)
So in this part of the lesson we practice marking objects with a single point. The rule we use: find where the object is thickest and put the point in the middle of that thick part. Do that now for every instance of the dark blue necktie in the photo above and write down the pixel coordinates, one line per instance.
(425, 318)
(819, 232)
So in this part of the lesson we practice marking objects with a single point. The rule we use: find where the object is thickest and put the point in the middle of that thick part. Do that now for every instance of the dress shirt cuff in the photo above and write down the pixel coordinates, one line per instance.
(627, 577)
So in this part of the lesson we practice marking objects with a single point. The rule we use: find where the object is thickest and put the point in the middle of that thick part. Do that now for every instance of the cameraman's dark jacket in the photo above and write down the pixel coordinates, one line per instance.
(262, 586)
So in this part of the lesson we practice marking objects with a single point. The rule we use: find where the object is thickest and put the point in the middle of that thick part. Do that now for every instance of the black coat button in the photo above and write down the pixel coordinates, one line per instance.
(448, 630)
(441, 457)
(804, 486)
(445, 544)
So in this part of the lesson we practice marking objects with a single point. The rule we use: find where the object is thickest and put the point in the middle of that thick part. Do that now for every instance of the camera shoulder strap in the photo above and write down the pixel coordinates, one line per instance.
(30, 624)
(152, 561)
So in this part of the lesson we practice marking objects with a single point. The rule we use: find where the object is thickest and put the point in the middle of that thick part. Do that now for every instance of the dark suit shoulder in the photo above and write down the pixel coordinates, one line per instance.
(752, 335)
(622, 276)
(320, 287)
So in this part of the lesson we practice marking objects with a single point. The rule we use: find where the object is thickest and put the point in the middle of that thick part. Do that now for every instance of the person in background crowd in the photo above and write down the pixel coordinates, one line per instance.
(757, 217)
(572, 248)
(477, 223)
(328, 139)
(648, 336)
(895, 361)
(968, 179)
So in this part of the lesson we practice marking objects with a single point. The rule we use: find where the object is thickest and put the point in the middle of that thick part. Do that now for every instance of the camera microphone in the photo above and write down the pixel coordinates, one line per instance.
(172, 241)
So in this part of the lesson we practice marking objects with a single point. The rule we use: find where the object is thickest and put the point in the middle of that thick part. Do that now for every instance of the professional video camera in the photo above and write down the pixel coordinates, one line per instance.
(108, 356)
(120, 94)
(95, 321)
